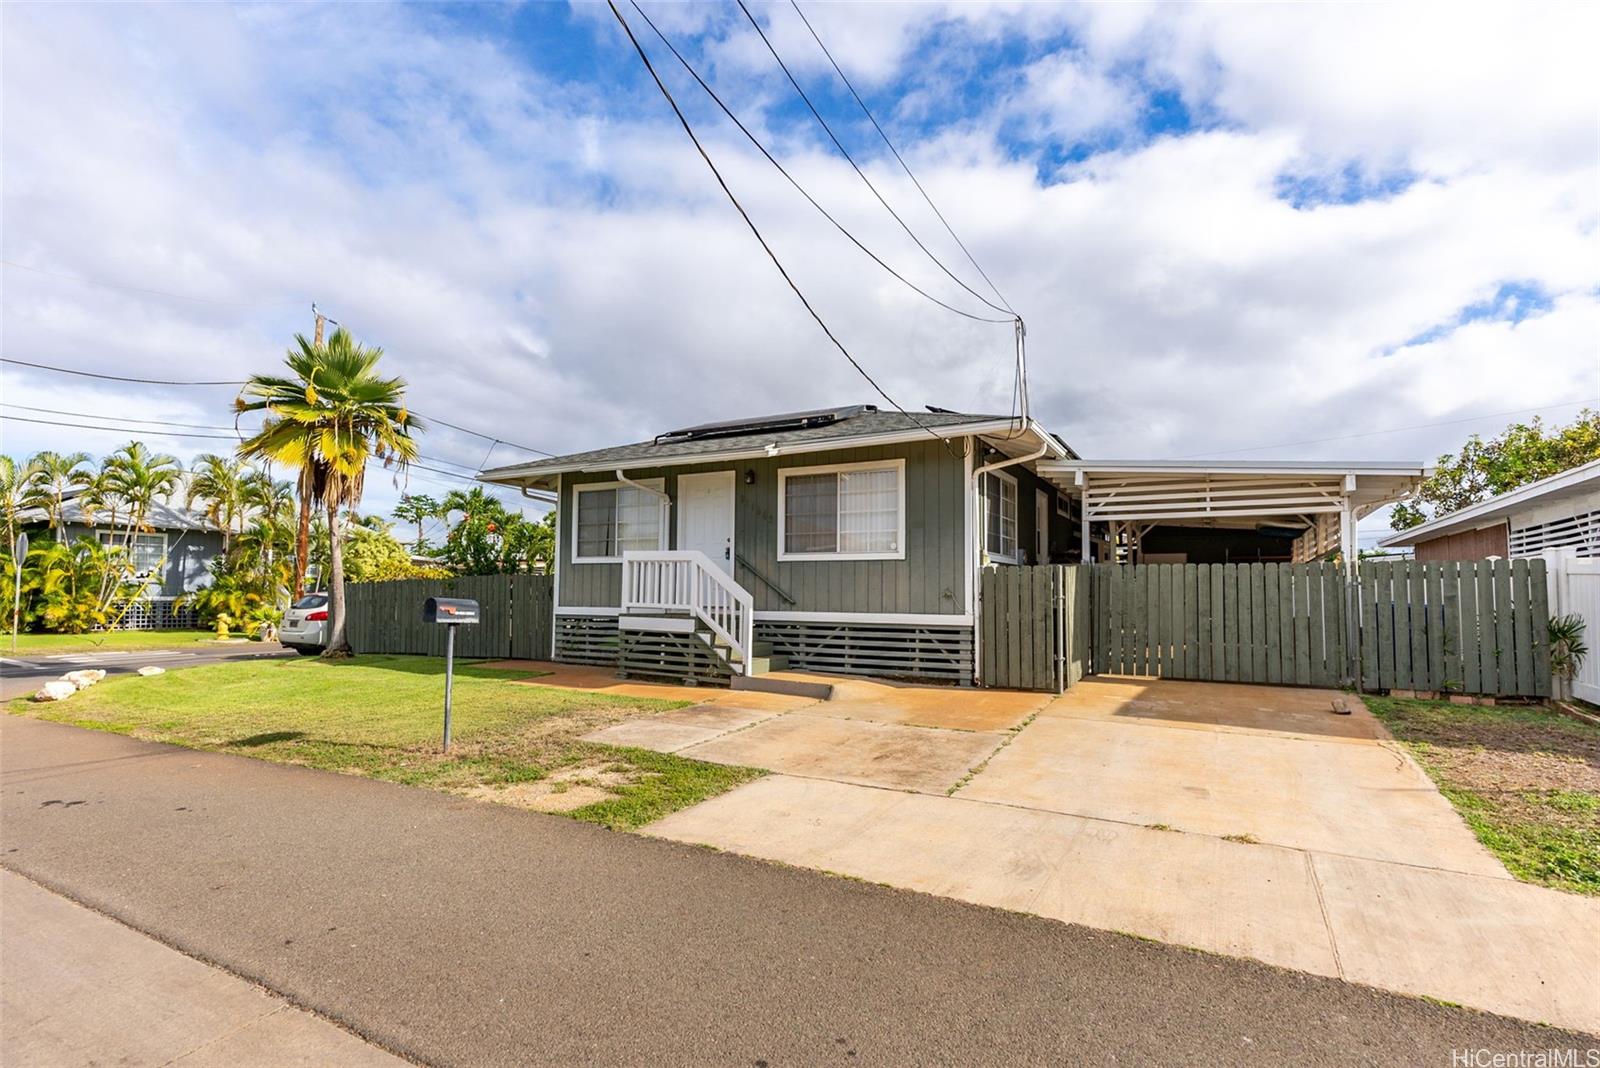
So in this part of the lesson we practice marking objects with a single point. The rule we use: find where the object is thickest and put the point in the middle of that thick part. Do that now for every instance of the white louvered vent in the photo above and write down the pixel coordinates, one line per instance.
(1581, 532)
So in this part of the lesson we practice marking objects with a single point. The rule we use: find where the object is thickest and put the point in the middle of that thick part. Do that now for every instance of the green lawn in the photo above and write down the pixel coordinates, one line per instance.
(105, 641)
(381, 716)
(1526, 780)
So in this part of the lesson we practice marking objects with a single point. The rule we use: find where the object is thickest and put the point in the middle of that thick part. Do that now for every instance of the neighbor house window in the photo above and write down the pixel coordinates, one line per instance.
(145, 553)
(610, 520)
(1000, 516)
(853, 511)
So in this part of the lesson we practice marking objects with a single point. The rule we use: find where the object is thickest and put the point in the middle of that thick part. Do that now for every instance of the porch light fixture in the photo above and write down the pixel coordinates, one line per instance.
(749, 476)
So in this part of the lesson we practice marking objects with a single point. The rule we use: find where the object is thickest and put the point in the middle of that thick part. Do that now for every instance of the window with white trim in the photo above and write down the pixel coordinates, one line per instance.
(609, 520)
(145, 552)
(853, 511)
(1000, 516)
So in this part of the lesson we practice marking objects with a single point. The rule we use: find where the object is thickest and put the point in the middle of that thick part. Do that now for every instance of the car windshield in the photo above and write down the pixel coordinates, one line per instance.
(312, 600)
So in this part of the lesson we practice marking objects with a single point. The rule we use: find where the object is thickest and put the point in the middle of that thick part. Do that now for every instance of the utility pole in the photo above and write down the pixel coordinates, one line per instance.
(320, 320)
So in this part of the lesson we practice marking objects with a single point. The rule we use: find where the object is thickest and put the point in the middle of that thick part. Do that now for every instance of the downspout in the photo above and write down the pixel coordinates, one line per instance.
(980, 531)
(666, 501)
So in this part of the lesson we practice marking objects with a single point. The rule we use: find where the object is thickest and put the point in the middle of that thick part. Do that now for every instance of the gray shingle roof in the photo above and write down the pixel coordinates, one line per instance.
(862, 424)
(163, 516)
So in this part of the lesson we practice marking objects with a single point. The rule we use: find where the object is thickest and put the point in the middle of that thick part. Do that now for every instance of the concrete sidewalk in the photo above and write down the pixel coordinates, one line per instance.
(79, 988)
(461, 933)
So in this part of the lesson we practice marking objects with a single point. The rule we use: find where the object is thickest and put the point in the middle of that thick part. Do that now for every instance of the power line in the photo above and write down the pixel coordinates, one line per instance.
(164, 382)
(1390, 430)
(903, 165)
(112, 378)
(862, 174)
(153, 292)
(793, 181)
(115, 429)
(683, 120)
(118, 418)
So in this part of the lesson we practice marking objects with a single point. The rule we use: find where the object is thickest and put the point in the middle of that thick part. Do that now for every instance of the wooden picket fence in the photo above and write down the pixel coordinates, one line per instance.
(1470, 627)
(1272, 623)
(516, 612)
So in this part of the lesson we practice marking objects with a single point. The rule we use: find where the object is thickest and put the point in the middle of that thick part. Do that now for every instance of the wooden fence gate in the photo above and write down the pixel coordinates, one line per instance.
(1273, 623)
(1034, 627)
(516, 612)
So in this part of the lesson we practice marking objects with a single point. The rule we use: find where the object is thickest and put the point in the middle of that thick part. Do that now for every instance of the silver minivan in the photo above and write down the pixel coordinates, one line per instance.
(305, 625)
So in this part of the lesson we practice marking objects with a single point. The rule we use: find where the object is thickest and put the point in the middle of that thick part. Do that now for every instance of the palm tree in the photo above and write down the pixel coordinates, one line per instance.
(416, 508)
(15, 479)
(289, 441)
(55, 476)
(218, 482)
(138, 479)
(346, 417)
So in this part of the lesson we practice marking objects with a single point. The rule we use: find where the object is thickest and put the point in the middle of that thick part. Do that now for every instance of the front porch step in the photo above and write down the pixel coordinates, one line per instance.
(760, 665)
(817, 691)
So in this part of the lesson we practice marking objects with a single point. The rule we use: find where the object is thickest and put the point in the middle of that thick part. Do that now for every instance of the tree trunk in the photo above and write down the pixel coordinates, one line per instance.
(302, 547)
(337, 646)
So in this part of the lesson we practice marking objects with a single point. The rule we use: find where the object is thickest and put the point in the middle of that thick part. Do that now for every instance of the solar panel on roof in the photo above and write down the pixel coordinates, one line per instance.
(756, 424)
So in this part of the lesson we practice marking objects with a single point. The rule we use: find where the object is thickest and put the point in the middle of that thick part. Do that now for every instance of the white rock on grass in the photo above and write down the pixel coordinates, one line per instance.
(84, 679)
(56, 690)
(152, 670)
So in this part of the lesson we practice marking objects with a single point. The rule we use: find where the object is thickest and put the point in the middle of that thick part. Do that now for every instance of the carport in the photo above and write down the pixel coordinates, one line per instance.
(1202, 511)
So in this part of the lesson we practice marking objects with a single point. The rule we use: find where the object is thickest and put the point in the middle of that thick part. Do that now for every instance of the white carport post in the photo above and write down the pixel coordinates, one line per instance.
(1083, 516)
(1349, 550)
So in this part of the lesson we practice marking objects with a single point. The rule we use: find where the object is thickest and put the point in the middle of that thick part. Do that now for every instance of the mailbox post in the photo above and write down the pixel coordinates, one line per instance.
(450, 613)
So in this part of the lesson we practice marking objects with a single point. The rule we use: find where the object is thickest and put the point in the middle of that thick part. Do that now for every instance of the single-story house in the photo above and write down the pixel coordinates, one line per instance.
(852, 540)
(172, 554)
(1559, 512)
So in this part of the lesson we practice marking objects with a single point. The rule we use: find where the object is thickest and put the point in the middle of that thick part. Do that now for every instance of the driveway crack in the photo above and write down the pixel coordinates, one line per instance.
(1327, 922)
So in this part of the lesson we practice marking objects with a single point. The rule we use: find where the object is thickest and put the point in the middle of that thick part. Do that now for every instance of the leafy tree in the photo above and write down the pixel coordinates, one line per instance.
(55, 476)
(375, 556)
(73, 587)
(417, 508)
(1520, 454)
(137, 479)
(346, 416)
(489, 539)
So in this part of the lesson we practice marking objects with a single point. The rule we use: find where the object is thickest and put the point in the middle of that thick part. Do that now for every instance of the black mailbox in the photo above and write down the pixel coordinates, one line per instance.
(449, 610)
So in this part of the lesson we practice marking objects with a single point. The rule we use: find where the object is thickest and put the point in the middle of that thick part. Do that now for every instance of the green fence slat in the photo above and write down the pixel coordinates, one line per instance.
(1539, 601)
(1467, 601)
(1433, 592)
(1505, 628)
(1488, 638)
(1522, 603)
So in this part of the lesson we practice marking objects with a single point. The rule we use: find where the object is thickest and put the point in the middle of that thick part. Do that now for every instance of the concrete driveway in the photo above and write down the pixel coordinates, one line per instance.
(1247, 820)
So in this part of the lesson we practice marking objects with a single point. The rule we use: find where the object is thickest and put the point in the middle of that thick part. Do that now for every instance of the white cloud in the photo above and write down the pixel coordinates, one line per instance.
(556, 266)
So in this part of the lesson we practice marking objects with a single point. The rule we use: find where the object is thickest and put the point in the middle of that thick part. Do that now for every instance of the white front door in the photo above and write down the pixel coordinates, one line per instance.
(705, 515)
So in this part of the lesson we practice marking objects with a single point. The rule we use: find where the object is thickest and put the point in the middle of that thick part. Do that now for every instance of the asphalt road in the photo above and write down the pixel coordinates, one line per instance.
(458, 932)
(23, 675)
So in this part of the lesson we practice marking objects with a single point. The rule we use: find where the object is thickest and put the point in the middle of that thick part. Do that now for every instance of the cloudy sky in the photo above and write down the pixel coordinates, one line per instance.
(1268, 231)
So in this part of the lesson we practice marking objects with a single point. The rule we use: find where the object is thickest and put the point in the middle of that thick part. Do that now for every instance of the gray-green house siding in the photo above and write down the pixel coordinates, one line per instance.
(930, 580)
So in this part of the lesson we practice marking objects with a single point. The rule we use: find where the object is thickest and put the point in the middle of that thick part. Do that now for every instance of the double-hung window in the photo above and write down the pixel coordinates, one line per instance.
(852, 512)
(145, 552)
(609, 520)
(1000, 517)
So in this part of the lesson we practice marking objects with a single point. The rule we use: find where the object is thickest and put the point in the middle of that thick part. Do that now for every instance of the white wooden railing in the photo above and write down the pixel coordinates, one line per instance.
(687, 581)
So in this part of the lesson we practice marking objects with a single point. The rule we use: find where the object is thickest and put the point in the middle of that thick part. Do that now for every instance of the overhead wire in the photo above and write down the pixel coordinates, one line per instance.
(857, 168)
(754, 140)
(771, 255)
(900, 159)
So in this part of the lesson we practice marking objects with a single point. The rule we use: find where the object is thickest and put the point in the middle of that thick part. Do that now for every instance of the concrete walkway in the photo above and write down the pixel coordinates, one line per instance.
(79, 988)
(1250, 821)
(460, 933)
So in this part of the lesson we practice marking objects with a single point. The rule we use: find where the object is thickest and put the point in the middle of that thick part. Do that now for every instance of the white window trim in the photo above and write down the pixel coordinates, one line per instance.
(586, 487)
(899, 465)
(111, 540)
(983, 529)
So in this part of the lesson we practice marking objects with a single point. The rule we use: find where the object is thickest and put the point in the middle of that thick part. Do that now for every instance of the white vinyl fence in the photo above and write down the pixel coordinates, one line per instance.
(1575, 590)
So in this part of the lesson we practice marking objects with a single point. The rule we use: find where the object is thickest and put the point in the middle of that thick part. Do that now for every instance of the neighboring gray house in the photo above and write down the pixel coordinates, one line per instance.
(846, 539)
(172, 554)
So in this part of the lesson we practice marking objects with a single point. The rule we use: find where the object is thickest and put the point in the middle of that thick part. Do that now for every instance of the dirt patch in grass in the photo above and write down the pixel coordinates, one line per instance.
(1526, 780)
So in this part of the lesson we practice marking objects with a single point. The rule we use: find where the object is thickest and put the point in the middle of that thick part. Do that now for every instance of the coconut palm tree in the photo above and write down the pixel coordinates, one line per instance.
(218, 483)
(15, 480)
(346, 417)
(289, 441)
(55, 476)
